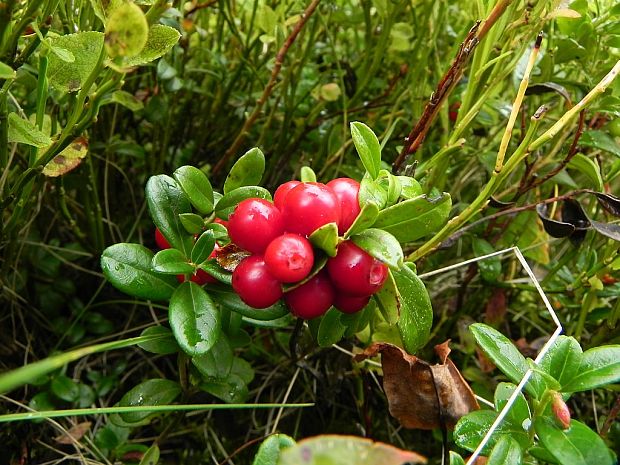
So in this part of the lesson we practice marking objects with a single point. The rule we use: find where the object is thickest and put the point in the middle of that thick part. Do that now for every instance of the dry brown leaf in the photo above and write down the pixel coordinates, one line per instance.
(421, 395)
(229, 256)
(75, 433)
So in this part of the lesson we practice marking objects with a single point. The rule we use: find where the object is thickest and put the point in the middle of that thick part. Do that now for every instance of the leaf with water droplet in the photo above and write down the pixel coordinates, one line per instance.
(148, 393)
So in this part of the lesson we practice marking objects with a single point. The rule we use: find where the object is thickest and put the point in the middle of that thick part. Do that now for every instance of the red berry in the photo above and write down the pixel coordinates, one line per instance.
(254, 284)
(289, 258)
(347, 191)
(355, 272)
(282, 191)
(347, 303)
(309, 206)
(453, 112)
(311, 299)
(160, 240)
(254, 224)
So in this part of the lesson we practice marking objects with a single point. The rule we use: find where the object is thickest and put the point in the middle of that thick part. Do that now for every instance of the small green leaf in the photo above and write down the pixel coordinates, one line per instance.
(126, 31)
(171, 261)
(6, 72)
(23, 131)
(127, 100)
(391, 185)
(416, 312)
(151, 456)
(218, 362)
(269, 451)
(197, 187)
(148, 393)
(388, 300)
(65, 388)
(307, 174)
(456, 459)
(411, 188)
(164, 345)
(589, 168)
(415, 218)
(232, 390)
(326, 238)
(578, 445)
(506, 452)
(599, 366)
(166, 201)
(563, 360)
(247, 171)
(194, 319)
(227, 204)
(520, 410)
(215, 270)
(331, 329)
(368, 147)
(203, 247)
(159, 42)
(192, 223)
(490, 268)
(600, 140)
(501, 351)
(471, 428)
(86, 47)
(364, 220)
(225, 296)
(128, 268)
(63, 54)
(382, 246)
(372, 191)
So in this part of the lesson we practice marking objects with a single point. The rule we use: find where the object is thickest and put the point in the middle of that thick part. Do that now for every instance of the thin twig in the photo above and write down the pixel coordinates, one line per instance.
(249, 122)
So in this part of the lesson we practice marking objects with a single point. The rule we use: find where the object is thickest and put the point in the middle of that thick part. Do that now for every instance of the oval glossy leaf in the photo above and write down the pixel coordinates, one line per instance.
(225, 296)
(471, 428)
(410, 187)
(388, 300)
(232, 390)
(219, 273)
(126, 31)
(609, 202)
(227, 204)
(368, 147)
(415, 218)
(330, 329)
(128, 268)
(589, 168)
(6, 72)
(197, 187)
(171, 261)
(166, 201)
(203, 247)
(506, 452)
(501, 351)
(247, 171)
(164, 344)
(490, 268)
(160, 40)
(151, 456)
(307, 174)
(391, 185)
(269, 451)
(364, 220)
(149, 393)
(218, 362)
(345, 450)
(416, 312)
(325, 238)
(194, 319)
(553, 227)
(563, 360)
(382, 246)
(600, 140)
(578, 445)
(610, 230)
(456, 459)
(599, 366)
(65, 388)
(519, 411)
(372, 192)
(192, 223)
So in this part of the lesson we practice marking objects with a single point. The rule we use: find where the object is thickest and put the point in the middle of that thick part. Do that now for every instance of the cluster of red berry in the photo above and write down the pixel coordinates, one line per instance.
(276, 234)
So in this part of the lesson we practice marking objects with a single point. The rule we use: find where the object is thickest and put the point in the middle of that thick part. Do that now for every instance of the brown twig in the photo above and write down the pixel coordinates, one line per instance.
(447, 83)
(200, 6)
(234, 147)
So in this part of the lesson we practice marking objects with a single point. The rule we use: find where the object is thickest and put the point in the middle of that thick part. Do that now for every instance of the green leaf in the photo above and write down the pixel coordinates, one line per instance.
(232, 390)
(520, 410)
(382, 246)
(563, 360)
(578, 445)
(86, 47)
(410, 187)
(217, 363)
(68, 159)
(368, 147)
(416, 312)
(164, 345)
(23, 131)
(269, 451)
(501, 351)
(331, 329)
(126, 31)
(388, 300)
(151, 456)
(62, 53)
(215, 270)
(599, 366)
(227, 204)
(225, 296)
(456, 459)
(372, 191)
(203, 247)
(490, 268)
(128, 268)
(600, 140)
(325, 238)
(6, 72)
(192, 223)
(506, 452)
(364, 220)
(588, 167)
(160, 40)
(307, 174)
(171, 261)
(247, 171)
(391, 185)
(127, 100)
(166, 202)
(148, 393)
(471, 428)
(412, 219)
(194, 319)
(65, 388)
(197, 187)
